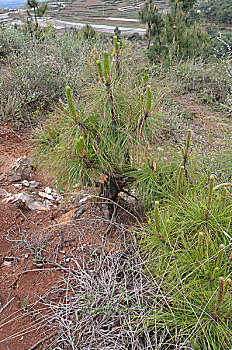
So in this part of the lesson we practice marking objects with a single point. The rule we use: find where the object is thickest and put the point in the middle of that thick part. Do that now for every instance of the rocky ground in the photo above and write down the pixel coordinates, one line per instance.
(41, 232)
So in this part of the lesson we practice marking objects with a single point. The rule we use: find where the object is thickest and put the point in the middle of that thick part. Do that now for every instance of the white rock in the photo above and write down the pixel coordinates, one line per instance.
(26, 201)
(25, 183)
(20, 170)
(160, 149)
(85, 199)
(34, 184)
(8, 199)
(48, 190)
(54, 193)
(59, 198)
(45, 195)
(18, 186)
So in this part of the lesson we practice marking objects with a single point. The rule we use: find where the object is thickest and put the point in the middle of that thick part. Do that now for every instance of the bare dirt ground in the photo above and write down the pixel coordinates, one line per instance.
(35, 246)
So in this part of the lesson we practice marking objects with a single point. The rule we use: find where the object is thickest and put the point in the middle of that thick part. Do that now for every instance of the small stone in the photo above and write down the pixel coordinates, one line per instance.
(54, 193)
(59, 198)
(48, 190)
(34, 184)
(20, 170)
(47, 196)
(85, 199)
(8, 199)
(25, 183)
(9, 258)
(25, 201)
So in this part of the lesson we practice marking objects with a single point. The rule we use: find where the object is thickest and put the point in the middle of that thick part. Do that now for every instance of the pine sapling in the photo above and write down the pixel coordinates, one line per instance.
(145, 109)
(116, 54)
(145, 76)
(80, 146)
(106, 66)
(227, 285)
(149, 97)
(214, 274)
(100, 72)
(106, 80)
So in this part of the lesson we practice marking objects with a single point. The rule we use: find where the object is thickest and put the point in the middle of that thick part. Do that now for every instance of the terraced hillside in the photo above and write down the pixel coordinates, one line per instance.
(108, 12)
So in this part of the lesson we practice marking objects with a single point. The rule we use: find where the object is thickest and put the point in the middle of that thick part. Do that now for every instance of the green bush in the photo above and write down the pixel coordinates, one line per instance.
(12, 40)
(35, 75)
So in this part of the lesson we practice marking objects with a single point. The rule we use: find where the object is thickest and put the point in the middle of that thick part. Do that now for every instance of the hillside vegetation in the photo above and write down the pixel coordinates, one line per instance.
(150, 119)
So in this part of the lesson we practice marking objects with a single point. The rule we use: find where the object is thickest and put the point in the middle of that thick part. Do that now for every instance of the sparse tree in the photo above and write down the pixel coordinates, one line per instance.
(149, 14)
(185, 5)
(35, 10)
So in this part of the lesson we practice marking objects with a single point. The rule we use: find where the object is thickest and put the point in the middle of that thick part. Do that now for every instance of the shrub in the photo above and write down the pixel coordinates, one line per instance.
(217, 11)
(12, 40)
(107, 302)
(34, 78)
(88, 33)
